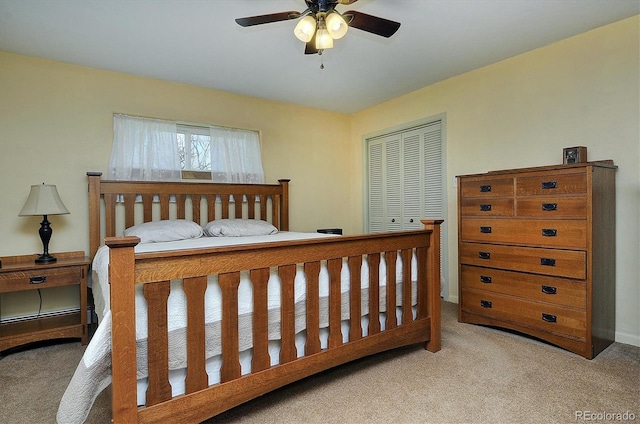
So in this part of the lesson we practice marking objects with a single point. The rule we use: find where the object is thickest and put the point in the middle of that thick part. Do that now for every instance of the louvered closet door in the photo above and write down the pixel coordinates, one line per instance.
(405, 178)
(376, 186)
(393, 183)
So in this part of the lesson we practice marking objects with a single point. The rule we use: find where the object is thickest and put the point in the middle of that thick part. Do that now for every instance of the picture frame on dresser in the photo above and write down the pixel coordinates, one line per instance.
(537, 253)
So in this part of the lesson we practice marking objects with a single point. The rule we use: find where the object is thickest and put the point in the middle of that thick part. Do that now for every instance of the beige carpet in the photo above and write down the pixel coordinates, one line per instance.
(481, 375)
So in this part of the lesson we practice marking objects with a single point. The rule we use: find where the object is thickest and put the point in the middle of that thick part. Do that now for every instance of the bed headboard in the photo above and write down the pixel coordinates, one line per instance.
(115, 205)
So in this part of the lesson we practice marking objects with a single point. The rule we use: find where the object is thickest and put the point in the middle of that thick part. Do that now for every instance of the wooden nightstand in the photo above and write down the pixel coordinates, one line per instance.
(19, 273)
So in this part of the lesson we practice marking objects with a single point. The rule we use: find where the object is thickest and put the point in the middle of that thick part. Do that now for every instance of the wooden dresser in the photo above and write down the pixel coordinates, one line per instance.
(537, 253)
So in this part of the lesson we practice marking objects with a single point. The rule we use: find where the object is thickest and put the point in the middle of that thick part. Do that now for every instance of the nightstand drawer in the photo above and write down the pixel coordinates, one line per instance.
(535, 315)
(45, 278)
(559, 291)
(559, 263)
(552, 185)
(569, 234)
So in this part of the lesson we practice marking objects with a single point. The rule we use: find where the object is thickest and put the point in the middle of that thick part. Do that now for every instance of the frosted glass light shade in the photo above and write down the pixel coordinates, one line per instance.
(336, 25)
(305, 29)
(43, 200)
(323, 40)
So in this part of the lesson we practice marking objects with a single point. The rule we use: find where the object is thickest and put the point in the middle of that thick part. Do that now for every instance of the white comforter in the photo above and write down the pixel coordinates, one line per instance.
(93, 373)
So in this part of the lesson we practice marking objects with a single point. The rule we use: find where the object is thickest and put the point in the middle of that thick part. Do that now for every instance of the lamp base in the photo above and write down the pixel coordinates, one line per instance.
(45, 258)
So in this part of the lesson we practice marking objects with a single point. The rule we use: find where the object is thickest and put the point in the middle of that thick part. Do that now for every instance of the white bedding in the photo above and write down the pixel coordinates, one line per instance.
(93, 372)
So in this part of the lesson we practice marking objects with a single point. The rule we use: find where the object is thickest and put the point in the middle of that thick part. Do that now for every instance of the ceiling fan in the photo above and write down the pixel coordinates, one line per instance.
(321, 23)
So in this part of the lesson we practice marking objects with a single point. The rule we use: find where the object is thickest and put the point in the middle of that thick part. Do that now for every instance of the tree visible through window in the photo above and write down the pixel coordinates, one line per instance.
(194, 147)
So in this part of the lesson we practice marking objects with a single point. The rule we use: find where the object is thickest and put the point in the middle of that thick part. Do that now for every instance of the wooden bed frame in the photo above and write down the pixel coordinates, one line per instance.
(154, 270)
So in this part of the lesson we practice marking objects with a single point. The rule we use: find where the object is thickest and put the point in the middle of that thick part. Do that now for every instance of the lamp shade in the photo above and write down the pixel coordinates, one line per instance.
(43, 200)
(305, 29)
(323, 39)
(336, 25)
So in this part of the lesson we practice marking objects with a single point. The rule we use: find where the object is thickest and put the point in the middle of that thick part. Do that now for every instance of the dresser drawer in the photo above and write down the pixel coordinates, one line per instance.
(486, 207)
(558, 263)
(27, 280)
(552, 185)
(536, 315)
(559, 291)
(571, 234)
(552, 207)
(486, 187)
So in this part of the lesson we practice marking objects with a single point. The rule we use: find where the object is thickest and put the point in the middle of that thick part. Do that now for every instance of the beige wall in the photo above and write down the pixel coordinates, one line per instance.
(521, 112)
(55, 124)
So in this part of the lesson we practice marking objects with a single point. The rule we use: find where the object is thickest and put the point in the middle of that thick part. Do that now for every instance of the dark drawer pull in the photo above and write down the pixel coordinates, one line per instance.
(485, 208)
(549, 290)
(485, 304)
(484, 255)
(547, 262)
(549, 207)
(485, 230)
(549, 184)
(485, 279)
(549, 318)
(38, 280)
(549, 232)
(485, 188)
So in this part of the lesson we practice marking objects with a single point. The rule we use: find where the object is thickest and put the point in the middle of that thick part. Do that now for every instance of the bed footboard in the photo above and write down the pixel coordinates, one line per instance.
(418, 321)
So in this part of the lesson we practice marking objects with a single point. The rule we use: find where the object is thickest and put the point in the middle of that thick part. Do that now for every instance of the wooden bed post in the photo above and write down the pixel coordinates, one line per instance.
(284, 205)
(433, 269)
(94, 212)
(123, 329)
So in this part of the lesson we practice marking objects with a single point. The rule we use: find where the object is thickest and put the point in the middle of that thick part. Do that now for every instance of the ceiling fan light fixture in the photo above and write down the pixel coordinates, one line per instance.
(305, 29)
(336, 25)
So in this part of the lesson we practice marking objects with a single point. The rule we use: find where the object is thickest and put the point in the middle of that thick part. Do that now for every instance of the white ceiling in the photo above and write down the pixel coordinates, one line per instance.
(198, 42)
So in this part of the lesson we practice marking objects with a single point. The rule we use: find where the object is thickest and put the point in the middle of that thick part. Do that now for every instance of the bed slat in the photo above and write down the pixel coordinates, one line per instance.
(374, 293)
(230, 369)
(355, 298)
(263, 208)
(288, 350)
(261, 359)
(251, 204)
(211, 207)
(164, 205)
(195, 289)
(129, 211)
(147, 207)
(335, 300)
(312, 272)
(159, 389)
(110, 216)
(390, 258)
(407, 311)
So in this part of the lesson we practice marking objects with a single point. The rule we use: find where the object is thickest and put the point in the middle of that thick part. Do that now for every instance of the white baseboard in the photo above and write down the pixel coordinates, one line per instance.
(626, 338)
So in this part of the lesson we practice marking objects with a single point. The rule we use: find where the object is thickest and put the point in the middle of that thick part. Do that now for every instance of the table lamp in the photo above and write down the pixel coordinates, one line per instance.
(44, 200)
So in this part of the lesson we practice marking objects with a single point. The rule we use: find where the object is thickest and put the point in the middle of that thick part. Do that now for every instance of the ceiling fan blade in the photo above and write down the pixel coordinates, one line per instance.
(310, 46)
(347, 1)
(265, 19)
(372, 24)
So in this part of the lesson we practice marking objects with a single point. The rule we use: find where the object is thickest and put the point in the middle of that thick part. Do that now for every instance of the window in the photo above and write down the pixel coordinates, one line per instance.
(152, 149)
(194, 148)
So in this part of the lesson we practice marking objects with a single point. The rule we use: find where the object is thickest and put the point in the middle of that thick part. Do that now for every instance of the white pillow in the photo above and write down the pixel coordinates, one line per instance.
(239, 228)
(167, 230)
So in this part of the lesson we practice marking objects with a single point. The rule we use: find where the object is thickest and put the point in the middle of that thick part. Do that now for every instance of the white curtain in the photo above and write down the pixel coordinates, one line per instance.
(235, 156)
(144, 150)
